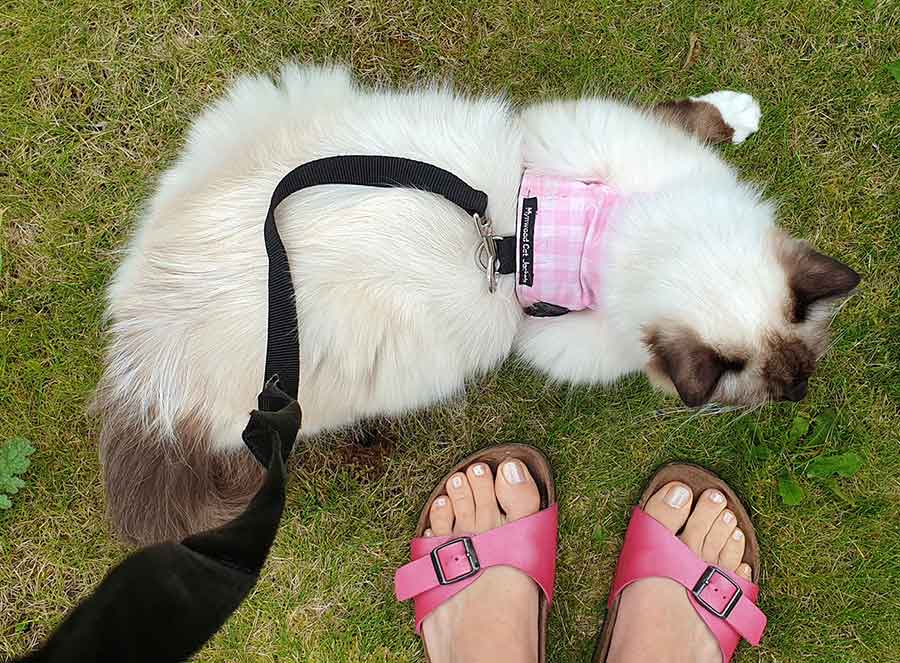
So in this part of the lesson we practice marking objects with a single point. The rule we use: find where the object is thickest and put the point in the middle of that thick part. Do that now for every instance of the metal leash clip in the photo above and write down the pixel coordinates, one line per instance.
(486, 250)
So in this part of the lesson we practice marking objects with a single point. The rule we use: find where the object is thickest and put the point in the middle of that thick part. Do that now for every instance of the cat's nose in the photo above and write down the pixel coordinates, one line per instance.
(796, 391)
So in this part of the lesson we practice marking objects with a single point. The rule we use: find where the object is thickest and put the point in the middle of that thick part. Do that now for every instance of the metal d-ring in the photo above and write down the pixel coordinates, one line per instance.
(486, 250)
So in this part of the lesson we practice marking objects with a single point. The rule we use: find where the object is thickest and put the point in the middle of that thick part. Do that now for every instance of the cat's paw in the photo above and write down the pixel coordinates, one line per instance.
(738, 110)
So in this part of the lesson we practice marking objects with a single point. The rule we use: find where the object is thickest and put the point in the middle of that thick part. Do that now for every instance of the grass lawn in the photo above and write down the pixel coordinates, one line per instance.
(94, 100)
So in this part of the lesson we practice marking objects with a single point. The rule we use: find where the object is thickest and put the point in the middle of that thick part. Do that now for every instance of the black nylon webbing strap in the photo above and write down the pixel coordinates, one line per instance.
(282, 343)
(506, 254)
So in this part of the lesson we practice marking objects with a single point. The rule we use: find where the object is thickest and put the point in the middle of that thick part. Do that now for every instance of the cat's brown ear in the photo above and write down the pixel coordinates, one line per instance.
(692, 366)
(814, 276)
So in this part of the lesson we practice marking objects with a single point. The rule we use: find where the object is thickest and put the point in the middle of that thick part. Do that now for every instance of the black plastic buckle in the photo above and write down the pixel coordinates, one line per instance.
(702, 584)
(474, 564)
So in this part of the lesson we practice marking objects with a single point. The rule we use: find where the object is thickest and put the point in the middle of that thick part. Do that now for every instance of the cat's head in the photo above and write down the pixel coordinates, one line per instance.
(750, 319)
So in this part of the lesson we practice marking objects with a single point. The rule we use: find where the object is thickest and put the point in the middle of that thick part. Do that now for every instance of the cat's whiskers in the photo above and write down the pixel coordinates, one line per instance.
(707, 410)
(831, 344)
(749, 410)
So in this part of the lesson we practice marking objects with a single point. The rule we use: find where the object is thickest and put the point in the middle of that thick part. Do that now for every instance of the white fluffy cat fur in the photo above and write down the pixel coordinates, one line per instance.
(702, 292)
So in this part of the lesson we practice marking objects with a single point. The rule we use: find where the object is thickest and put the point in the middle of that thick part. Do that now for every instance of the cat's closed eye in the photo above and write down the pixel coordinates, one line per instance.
(735, 365)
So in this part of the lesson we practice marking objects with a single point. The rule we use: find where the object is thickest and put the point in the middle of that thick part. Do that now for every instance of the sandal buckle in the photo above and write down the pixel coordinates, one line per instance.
(705, 580)
(471, 557)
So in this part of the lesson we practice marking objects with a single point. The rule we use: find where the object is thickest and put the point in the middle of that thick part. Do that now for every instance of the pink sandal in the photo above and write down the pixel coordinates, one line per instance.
(724, 601)
(443, 566)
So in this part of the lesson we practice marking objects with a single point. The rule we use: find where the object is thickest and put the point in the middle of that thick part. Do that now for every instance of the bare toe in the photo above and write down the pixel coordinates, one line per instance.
(516, 491)
(718, 536)
(679, 633)
(708, 507)
(733, 551)
(440, 516)
(494, 619)
(670, 505)
(460, 494)
(487, 512)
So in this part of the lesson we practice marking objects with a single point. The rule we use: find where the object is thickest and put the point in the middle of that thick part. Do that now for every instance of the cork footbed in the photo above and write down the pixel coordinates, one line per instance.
(697, 479)
(540, 471)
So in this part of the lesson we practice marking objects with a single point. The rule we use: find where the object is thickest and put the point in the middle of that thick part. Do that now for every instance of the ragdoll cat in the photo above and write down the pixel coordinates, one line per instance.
(678, 270)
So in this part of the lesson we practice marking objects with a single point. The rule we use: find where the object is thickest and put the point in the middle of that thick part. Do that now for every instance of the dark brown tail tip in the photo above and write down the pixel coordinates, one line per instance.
(696, 117)
(160, 489)
(162, 603)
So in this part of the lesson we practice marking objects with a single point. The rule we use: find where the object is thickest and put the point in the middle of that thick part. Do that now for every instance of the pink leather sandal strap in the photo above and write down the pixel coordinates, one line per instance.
(726, 602)
(443, 566)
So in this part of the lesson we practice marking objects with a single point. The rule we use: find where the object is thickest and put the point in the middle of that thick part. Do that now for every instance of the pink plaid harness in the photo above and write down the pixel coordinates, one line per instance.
(560, 238)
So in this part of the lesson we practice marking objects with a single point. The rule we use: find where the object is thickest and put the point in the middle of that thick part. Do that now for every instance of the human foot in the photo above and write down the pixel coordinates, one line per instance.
(496, 617)
(655, 619)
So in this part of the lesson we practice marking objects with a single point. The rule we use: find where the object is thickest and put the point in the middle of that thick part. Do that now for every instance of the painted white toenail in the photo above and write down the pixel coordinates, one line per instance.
(737, 535)
(456, 482)
(716, 496)
(512, 473)
(677, 496)
(728, 517)
(441, 501)
(478, 470)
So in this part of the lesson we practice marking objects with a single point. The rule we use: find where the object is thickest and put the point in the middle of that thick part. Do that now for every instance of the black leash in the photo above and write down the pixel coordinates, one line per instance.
(282, 373)
(162, 603)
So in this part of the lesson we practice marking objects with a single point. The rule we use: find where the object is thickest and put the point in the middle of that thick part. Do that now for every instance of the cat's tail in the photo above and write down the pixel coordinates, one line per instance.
(165, 485)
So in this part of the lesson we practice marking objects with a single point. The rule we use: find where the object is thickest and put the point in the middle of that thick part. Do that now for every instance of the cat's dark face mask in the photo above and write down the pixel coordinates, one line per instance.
(778, 365)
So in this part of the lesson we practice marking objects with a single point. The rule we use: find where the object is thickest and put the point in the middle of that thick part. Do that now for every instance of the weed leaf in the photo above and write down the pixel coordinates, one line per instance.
(790, 491)
(14, 456)
(11, 485)
(894, 69)
(825, 422)
(760, 453)
(837, 490)
(13, 461)
(799, 428)
(843, 465)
